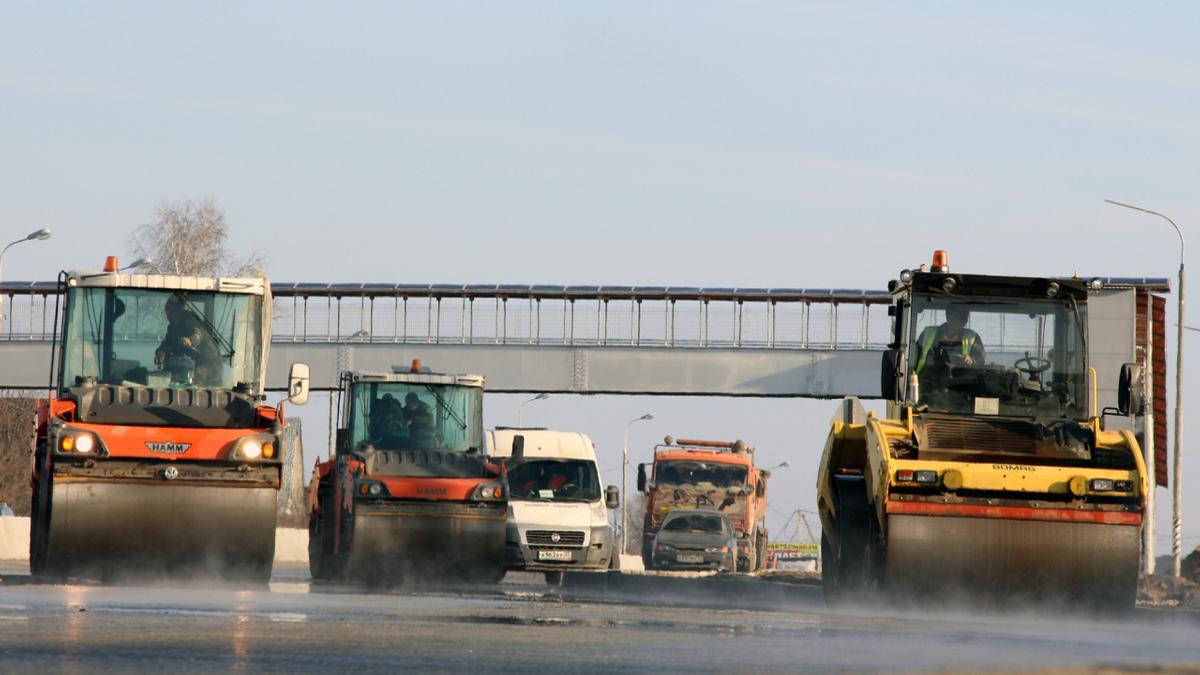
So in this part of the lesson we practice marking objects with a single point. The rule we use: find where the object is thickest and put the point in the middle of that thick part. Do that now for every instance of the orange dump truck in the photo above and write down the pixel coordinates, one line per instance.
(409, 493)
(721, 475)
(154, 453)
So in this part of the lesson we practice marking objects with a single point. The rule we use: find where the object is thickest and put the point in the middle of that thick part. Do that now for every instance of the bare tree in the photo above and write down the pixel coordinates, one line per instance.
(16, 449)
(189, 237)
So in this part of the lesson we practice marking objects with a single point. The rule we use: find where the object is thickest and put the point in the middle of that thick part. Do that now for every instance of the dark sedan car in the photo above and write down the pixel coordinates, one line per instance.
(692, 539)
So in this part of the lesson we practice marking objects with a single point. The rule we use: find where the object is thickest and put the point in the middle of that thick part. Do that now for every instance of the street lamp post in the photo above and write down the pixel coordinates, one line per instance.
(40, 235)
(521, 408)
(1177, 492)
(624, 480)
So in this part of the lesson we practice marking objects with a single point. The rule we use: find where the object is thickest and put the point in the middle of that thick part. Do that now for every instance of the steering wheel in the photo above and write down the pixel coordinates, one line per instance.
(1033, 364)
(568, 490)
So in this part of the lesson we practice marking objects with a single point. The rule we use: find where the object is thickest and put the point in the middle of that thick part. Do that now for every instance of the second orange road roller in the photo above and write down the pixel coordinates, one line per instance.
(409, 495)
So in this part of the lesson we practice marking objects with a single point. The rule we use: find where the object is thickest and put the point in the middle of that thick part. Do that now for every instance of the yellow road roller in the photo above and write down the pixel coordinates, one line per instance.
(993, 475)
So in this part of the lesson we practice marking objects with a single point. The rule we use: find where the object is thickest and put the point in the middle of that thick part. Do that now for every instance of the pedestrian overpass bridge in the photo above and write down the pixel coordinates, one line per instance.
(814, 343)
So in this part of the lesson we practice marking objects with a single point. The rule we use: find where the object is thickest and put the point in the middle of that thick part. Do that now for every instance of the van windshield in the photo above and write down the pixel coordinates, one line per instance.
(553, 480)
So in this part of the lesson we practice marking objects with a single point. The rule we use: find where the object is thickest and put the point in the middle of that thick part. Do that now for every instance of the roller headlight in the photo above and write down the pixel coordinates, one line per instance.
(254, 448)
(85, 444)
(665, 547)
(488, 492)
(372, 488)
(79, 443)
(250, 449)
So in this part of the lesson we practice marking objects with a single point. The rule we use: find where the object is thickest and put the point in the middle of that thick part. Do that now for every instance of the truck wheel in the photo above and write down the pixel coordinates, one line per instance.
(760, 548)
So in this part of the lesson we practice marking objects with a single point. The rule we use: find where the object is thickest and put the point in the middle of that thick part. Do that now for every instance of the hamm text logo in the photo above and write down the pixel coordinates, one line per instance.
(168, 448)
(431, 491)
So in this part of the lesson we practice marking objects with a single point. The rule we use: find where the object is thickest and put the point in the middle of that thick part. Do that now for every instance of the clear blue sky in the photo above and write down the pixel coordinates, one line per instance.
(750, 144)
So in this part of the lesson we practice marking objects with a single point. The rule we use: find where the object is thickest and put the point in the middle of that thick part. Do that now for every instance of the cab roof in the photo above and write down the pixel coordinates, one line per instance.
(168, 282)
(423, 377)
(542, 443)
(713, 456)
(968, 286)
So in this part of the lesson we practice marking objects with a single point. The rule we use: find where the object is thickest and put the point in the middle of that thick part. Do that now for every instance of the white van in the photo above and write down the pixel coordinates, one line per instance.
(557, 512)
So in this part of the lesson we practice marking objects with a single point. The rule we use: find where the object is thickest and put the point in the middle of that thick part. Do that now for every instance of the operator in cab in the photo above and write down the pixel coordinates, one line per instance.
(188, 338)
(950, 344)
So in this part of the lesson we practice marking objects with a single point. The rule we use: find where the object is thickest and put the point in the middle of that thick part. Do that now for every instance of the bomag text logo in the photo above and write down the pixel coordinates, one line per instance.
(168, 448)
(431, 491)
(1012, 467)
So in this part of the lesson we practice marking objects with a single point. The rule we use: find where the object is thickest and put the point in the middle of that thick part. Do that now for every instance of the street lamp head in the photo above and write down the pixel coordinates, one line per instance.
(541, 397)
(40, 235)
(647, 416)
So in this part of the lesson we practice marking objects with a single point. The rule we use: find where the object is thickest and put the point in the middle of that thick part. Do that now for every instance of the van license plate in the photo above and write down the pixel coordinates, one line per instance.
(554, 555)
(690, 558)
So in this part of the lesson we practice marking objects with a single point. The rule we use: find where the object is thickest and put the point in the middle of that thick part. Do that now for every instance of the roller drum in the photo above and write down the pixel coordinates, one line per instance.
(410, 544)
(140, 532)
(1012, 561)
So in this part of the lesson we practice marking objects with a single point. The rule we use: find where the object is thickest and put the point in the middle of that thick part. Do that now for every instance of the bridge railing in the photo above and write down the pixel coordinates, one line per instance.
(629, 316)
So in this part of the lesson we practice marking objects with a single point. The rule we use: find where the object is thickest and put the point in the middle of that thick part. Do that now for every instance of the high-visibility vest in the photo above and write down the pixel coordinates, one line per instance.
(929, 336)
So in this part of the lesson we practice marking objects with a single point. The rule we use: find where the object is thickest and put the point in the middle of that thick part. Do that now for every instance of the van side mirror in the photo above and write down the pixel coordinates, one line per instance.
(641, 477)
(612, 497)
(1130, 400)
(890, 373)
(298, 380)
(518, 447)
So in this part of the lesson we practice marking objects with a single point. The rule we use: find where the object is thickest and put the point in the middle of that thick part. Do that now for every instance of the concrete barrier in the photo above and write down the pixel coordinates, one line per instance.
(723, 591)
(291, 544)
(14, 538)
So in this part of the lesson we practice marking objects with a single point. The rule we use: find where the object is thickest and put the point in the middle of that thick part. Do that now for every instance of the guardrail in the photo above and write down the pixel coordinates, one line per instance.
(639, 316)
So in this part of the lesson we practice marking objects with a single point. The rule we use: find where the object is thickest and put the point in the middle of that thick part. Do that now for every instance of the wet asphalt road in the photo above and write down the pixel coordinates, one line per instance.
(528, 627)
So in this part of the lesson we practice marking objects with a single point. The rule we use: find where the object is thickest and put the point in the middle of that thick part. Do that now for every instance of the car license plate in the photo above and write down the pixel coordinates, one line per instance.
(554, 555)
(690, 558)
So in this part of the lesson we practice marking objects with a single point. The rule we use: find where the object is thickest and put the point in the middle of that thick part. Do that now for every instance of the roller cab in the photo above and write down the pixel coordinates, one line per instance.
(155, 456)
(409, 494)
(992, 475)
